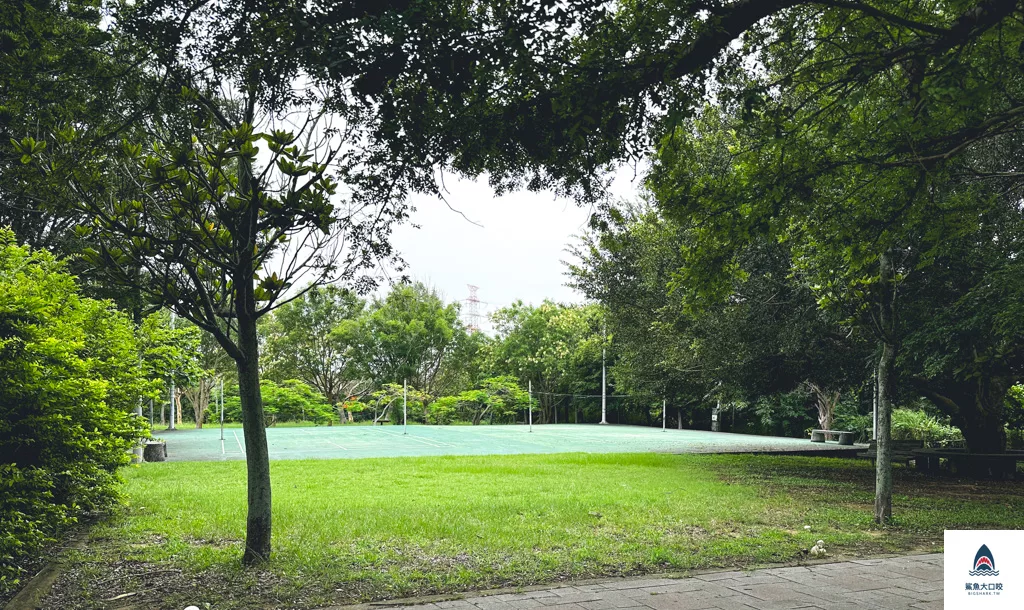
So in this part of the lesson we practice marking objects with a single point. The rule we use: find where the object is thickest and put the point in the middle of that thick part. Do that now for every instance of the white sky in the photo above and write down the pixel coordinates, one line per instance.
(517, 253)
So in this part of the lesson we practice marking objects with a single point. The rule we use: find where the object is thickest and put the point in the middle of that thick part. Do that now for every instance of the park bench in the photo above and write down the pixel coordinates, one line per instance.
(974, 465)
(902, 450)
(819, 436)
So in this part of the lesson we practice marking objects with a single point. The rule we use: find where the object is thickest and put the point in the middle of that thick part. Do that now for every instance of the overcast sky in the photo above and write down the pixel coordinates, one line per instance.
(517, 252)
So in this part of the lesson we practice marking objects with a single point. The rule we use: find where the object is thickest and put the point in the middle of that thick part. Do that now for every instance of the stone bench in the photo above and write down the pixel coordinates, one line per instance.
(901, 450)
(845, 436)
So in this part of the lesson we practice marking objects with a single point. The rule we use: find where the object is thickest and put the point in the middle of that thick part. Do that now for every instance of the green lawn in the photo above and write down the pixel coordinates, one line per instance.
(352, 530)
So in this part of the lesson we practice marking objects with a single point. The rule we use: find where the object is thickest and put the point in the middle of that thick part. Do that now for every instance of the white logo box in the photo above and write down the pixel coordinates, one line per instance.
(983, 569)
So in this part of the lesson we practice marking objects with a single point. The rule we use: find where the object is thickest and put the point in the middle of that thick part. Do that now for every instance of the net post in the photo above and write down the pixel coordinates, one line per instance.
(664, 403)
(405, 406)
(173, 415)
(531, 403)
(220, 397)
(604, 399)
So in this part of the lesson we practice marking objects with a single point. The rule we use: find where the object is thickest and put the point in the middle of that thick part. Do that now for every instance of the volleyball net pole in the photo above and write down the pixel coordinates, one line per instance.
(221, 399)
(530, 382)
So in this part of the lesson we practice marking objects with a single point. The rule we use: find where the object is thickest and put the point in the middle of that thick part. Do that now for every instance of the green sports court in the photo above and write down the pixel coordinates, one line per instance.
(331, 442)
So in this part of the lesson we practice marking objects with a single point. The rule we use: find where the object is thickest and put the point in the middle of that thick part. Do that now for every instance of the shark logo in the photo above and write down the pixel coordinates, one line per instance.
(984, 564)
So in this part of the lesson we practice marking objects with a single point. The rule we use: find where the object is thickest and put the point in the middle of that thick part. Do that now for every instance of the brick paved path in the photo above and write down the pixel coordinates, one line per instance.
(896, 583)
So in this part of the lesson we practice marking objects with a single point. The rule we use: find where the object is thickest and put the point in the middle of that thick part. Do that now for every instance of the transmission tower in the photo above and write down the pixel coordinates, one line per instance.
(472, 314)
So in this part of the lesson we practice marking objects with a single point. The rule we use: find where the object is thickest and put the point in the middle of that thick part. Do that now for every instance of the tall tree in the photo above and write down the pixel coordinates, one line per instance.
(309, 339)
(555, 347)
(229, 203)
(408, 335)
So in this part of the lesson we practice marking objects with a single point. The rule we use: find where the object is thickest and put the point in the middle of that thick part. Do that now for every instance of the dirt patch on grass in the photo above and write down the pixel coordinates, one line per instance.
(837, 475)
(130, 584)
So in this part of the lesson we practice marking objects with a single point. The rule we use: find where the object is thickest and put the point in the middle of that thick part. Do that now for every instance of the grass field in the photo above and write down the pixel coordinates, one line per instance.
(356, 530)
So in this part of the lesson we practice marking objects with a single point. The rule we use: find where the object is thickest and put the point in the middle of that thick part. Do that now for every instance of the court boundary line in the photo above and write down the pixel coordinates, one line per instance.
(325, 440)
(427, 442)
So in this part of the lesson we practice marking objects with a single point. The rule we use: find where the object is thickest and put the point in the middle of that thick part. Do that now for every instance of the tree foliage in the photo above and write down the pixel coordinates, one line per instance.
(69, 383)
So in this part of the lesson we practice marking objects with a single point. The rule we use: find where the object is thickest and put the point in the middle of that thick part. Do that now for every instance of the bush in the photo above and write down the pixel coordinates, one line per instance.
(69, 380)
(290, 400)
(786, 414)
(909, 424)
(443, 410)
(848, 417)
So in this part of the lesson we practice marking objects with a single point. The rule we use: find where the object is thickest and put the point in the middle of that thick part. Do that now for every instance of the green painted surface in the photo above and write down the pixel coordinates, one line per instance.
(389, 441)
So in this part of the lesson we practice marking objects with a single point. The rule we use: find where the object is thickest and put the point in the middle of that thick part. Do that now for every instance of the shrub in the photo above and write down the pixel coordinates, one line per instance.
(69, 379)
(848, 417)
(909, 424)
(291, 400)
(443, 410)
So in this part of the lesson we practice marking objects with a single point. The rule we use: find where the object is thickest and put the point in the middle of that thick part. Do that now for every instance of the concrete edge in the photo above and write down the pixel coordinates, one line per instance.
(31, 595)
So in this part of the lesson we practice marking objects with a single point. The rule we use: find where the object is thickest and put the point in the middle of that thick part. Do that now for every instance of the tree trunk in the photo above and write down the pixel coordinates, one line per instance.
(826, 402)
(199, 397)
(883, 461)
(984, 433)
(257, 458)
(976, 406)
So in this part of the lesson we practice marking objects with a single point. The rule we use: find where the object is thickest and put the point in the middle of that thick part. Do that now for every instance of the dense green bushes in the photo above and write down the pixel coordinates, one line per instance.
(290, 400)
(919, 425)
(69, 379)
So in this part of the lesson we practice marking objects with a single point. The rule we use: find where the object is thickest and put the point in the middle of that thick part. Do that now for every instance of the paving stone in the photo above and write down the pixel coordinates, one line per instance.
(899, 571)
(719, 576)
(692, 600)
(937, 605)
(755, 579)
(883, 599)
(573, 598)
(610, 600)
(785, 572)
(916, 584)
(526, 603)
(775, 592)
(840, 605)
(760, 604)
(562, 591)
(566, 607)
(504, 597)
(540, 593)
(487, 603)
(854, 582)
(933, 595)
(679, 586)
(641, 583)
(455, 604)
(712, 589)
(867, 562)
